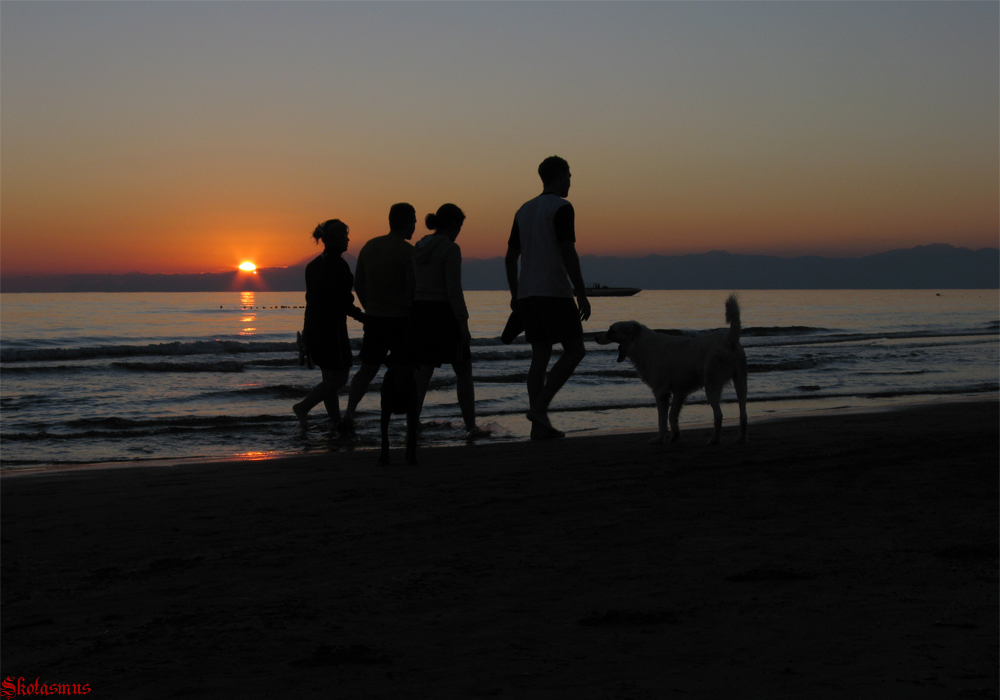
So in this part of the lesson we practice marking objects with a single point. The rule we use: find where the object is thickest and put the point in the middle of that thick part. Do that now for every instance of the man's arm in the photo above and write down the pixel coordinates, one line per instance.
(564, 224)
(360, 282)
(572, 262)
(510, 261)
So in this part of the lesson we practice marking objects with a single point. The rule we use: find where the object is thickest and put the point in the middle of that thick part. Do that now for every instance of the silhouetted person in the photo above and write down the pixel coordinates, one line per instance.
(384, 282)
(328, 304)
(439, 319)
(544, 238)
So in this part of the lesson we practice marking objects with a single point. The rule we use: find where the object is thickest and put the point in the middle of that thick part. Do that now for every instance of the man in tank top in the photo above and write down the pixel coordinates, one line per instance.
(543, 237)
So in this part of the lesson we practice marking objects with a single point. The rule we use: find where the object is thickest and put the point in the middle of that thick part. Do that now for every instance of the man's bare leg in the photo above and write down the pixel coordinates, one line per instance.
(541, 353)
(315, 396)
(466, 392)
(423, 381)
(573, 353)
(359, 387)
(336, 381)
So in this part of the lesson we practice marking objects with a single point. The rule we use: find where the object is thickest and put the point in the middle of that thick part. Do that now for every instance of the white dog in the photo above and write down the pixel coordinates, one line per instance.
(673, 367)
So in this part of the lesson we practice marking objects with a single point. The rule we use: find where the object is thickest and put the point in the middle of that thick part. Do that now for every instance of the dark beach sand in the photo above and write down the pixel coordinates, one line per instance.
(842, 556)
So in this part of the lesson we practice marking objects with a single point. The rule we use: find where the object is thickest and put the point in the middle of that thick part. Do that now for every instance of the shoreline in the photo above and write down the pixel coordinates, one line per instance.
(696, 425)
(847, 555)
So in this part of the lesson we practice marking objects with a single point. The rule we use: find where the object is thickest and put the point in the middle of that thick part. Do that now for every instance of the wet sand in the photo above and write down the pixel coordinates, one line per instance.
(838, 556)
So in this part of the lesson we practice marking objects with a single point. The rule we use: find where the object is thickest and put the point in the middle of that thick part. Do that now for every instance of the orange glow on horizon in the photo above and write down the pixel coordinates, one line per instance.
(689, 128)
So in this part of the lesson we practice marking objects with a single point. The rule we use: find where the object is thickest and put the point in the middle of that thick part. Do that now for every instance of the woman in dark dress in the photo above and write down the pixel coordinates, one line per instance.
(329, 302)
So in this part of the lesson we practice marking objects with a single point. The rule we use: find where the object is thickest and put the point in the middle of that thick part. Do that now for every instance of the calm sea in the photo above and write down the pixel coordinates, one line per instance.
(90, 378)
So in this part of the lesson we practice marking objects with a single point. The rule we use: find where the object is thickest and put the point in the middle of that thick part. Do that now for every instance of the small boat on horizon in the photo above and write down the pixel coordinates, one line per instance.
(599, 290)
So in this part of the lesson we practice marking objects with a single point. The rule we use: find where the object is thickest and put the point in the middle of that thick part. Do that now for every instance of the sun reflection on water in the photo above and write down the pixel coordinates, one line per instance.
(256, 456)
(248, 301)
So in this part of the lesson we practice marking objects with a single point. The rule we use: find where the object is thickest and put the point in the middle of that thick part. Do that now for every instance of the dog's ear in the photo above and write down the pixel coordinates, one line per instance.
(622, 352)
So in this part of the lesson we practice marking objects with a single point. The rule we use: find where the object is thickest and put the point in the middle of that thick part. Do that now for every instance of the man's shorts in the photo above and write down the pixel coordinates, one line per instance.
(435, 336)
(550, 319)
(383, 335)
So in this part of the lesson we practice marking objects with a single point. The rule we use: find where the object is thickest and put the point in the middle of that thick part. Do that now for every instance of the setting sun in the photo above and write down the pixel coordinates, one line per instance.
(248, 267)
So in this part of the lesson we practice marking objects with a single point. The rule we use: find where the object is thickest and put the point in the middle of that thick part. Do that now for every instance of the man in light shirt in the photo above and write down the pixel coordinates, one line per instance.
(543, 237)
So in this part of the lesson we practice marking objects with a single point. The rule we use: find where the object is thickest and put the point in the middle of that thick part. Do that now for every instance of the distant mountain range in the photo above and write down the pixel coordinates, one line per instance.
(937, 266)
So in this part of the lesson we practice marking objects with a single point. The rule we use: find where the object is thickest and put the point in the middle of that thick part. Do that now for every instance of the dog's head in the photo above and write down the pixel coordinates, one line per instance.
(624, 333)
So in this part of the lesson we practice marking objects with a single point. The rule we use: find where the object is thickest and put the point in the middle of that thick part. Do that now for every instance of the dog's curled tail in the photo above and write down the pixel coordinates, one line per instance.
(733, 318)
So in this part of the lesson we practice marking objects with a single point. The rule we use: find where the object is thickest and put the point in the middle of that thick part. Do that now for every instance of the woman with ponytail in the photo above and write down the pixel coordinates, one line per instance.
(329, 302)
(439, 318)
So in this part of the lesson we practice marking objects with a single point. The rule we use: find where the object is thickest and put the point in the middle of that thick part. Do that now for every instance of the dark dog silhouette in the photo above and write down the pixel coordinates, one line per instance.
(399, 396)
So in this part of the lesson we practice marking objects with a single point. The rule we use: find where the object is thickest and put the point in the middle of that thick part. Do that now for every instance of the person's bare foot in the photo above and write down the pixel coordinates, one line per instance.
(302, 415)
(539, 418)
(541, 432)
(477, 433)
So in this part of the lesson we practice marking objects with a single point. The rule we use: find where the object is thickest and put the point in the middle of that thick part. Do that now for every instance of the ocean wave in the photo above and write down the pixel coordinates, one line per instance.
(813, 394)
(47, 369)
(446, 380)
(278, 362)
(117, 428)
(984, 388)
(118, 423)
(750, 331)
(167, 366)
(16, 403)
(522, 377)
(494, 340)
(501, 355)
(222, 366)
(114, 428)
(766, 331)
(784, 365)
(872, 338)
(115, 434)
(491, 347)
(276, 391)
(197, 347)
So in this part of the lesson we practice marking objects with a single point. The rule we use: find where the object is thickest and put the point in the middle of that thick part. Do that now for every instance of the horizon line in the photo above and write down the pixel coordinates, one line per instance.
(235, 269)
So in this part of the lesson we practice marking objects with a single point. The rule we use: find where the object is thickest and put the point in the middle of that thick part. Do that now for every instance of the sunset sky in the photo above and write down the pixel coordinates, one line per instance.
(167, 137)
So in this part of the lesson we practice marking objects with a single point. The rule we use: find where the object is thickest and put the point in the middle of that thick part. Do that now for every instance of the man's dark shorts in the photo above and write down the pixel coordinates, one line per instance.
(550, 319)
(382, 335)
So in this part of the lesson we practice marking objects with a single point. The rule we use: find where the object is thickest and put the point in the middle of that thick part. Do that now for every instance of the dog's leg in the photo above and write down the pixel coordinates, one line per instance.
(386, 417)
(412, 429)
(740, 384)
(714, 398)
(675, 412)
(662, 407)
